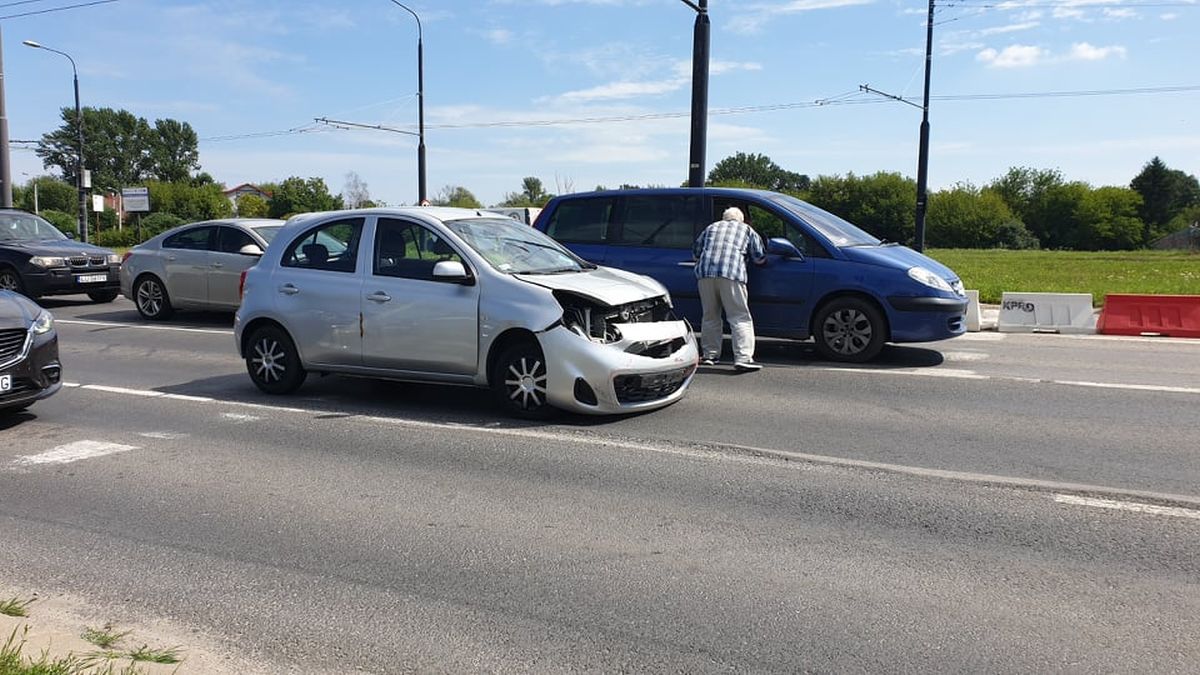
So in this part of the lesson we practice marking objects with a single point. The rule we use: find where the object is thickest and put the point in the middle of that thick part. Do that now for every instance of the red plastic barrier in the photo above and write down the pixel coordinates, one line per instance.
(1169, 315)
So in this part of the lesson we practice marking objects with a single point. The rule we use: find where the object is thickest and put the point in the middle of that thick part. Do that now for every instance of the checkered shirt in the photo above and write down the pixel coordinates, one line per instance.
(720, 250)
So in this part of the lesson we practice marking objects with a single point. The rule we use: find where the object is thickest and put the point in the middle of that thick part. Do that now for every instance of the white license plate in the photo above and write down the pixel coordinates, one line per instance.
(91, 278)
(5, 382)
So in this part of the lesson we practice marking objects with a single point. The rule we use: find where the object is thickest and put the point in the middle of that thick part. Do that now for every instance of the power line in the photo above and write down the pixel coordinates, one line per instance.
(58, 9)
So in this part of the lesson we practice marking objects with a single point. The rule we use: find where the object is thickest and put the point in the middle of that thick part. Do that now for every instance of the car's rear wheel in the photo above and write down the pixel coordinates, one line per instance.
(849, 329)
(10, 280)
(151, 298)
(273, 361)
(103, 296)
(519, 381)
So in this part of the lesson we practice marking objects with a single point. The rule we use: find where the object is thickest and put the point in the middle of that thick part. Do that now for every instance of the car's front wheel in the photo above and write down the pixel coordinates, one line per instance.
(151, 298)
(849, 329)
(103, 296)
(273, 361)
(519, 381)
(10, 280)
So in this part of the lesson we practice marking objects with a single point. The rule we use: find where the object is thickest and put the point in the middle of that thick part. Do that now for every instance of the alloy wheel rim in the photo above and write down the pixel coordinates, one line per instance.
(526, 383)
(150, 298)
(847, 331)
(8, 281)
(269, 360)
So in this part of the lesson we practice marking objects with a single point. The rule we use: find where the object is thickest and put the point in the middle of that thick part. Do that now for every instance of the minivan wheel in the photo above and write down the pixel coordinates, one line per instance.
(151, 298)
(273, 362)
(850, 330)
(11, 281)
(519, 381)
(103, 296)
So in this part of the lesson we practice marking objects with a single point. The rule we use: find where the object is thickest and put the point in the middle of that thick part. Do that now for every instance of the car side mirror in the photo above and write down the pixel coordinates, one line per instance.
(452, 271)
(783, 247)
(251, 249)
(71, 235)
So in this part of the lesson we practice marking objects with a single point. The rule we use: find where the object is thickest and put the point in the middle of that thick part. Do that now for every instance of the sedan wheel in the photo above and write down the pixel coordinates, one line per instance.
(519, 381)
(849, 329)
(151, 299)
(11, 281)
(273, 362)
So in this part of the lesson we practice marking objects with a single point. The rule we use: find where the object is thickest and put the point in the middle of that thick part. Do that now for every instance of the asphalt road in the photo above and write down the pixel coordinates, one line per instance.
(993, 503)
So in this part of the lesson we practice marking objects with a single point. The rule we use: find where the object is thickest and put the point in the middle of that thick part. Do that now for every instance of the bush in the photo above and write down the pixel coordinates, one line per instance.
(159, 222)
(66, 222)
(117, 238)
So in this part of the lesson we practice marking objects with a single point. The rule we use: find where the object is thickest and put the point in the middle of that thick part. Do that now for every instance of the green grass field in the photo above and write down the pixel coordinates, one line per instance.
(1097, 272)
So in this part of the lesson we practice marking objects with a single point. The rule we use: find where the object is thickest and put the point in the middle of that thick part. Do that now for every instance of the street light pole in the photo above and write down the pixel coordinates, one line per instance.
(700, 52)
(422, 194)
(83, 236)
(923, 158)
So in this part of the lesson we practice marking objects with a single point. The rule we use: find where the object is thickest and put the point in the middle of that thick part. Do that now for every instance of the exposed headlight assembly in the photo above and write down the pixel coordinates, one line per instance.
(44, 323)
(927, 278)
(46, 262)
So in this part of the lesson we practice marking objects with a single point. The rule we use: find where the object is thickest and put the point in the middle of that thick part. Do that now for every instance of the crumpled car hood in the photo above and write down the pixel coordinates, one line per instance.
(611, 286)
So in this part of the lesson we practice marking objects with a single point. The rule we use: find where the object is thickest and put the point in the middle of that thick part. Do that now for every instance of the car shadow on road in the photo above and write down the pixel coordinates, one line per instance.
(771, 352)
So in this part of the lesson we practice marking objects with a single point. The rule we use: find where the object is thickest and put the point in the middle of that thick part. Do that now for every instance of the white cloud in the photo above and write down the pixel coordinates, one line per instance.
(1082, 51)
(1168, 16)
(622, 90)
(1011, 28)
(498, 36)
(758, 15)
(951, 48)
(1013, 56)
(1119, 13)
(1067, 13)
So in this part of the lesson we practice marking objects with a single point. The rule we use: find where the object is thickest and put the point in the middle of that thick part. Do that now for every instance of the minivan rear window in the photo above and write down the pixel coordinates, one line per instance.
(660, 221)
(582, 221)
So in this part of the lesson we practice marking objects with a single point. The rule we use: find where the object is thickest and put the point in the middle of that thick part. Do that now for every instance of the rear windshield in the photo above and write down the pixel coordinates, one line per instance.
(268, 233)
(836, 230)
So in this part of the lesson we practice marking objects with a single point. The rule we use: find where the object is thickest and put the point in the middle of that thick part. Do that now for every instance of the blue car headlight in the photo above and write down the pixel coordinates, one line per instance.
(927, 278)
(44, 323)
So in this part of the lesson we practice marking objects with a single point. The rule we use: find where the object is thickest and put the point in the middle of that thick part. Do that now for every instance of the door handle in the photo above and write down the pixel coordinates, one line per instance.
(379, 296)
(686, 263)
(218, 265)
(171, 258)
(288, 289)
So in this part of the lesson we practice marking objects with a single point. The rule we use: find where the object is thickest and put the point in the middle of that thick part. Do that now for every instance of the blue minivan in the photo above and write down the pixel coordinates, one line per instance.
(825, 278)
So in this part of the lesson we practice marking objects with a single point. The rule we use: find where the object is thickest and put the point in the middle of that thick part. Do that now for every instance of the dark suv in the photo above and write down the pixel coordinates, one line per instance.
(36, 259)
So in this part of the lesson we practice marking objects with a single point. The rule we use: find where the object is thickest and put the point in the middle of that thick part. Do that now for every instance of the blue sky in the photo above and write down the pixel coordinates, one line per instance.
(239, 70)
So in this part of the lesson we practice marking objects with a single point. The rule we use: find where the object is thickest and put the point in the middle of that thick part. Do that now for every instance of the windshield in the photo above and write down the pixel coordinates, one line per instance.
(515, 248)
(268, 233)
(838, 231)
(27, 227)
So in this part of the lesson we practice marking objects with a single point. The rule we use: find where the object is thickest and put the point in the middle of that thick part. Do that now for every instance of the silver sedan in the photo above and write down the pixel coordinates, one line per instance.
(195, 266)
(460, 297)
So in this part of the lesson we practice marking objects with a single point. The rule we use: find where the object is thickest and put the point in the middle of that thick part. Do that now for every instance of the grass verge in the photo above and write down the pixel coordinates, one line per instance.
(993, 271)
(15, 607)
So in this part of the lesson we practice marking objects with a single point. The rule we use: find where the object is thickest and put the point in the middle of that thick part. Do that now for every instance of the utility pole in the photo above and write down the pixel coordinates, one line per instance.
(700, 52)
(5, 165)
(923, 158)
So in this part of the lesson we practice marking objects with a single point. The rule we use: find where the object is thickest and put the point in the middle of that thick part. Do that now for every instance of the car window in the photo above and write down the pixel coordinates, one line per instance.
(837, 230)
(195, 239)
(408, 250)
(661, 221)
(582, 221)
(231, 240)
(17, 226)
(268, 232)
(514, 248)
(331, 246)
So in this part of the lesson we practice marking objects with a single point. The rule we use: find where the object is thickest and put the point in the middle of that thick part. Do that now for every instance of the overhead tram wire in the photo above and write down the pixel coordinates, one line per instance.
(59, 9)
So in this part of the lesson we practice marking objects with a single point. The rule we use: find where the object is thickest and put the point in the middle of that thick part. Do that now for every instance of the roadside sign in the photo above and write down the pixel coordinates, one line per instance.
(97, 203)
(135, 199)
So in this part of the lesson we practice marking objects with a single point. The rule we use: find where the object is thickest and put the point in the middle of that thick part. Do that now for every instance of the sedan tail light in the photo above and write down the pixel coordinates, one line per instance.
(242, 284)
(126, 256)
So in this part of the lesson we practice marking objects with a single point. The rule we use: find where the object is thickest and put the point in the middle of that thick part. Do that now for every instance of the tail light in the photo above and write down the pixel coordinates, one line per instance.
(242, 284)
(126, 256)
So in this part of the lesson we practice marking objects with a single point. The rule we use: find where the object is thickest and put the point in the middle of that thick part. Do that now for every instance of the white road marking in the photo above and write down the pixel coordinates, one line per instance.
(73, 452)
(240, 418)
(966, 356)
(112, 324)
(985, 336)
(1152, 509)
(163, 435)
(923, 372)
(1133, 387)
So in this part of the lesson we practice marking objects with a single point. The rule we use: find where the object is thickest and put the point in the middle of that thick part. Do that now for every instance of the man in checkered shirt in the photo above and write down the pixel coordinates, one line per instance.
(720, 253)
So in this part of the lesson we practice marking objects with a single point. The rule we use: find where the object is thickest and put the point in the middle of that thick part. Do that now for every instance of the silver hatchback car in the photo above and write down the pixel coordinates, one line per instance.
(194, 266)
(460, 297)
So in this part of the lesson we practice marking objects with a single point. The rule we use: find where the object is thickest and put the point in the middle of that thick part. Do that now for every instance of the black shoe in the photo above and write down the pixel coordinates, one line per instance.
(708, 362)
(747, 366)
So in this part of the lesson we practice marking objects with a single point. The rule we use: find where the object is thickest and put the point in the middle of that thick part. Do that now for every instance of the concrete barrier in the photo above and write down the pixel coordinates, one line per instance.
(974, 316)
(1167, 315)
(1047, 313)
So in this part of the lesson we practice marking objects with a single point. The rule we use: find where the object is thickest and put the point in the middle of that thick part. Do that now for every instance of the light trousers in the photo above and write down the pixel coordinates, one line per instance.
(718, 294)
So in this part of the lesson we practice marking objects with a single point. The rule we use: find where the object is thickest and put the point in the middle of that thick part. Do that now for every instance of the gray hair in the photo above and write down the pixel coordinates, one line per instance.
(733, 213)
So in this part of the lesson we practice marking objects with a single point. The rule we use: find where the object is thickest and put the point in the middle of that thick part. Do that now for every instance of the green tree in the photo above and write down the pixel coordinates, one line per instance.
(756, 171)
(456, 195)
(1165, 192)
(298, 195)
(1024, 190)
(1106, 219)
(967, 217)
(52, 194)
(67, 222)
(116, 147)
(883, 203)
(532, 193)
(174, 152)
(190, 203)
(252, 206)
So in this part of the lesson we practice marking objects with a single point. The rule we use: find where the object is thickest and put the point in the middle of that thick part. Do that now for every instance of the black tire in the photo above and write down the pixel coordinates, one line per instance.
(849, 329)
(273, 361)
(518, 381)
(151, 298)
(10, 280)
(103, 296)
